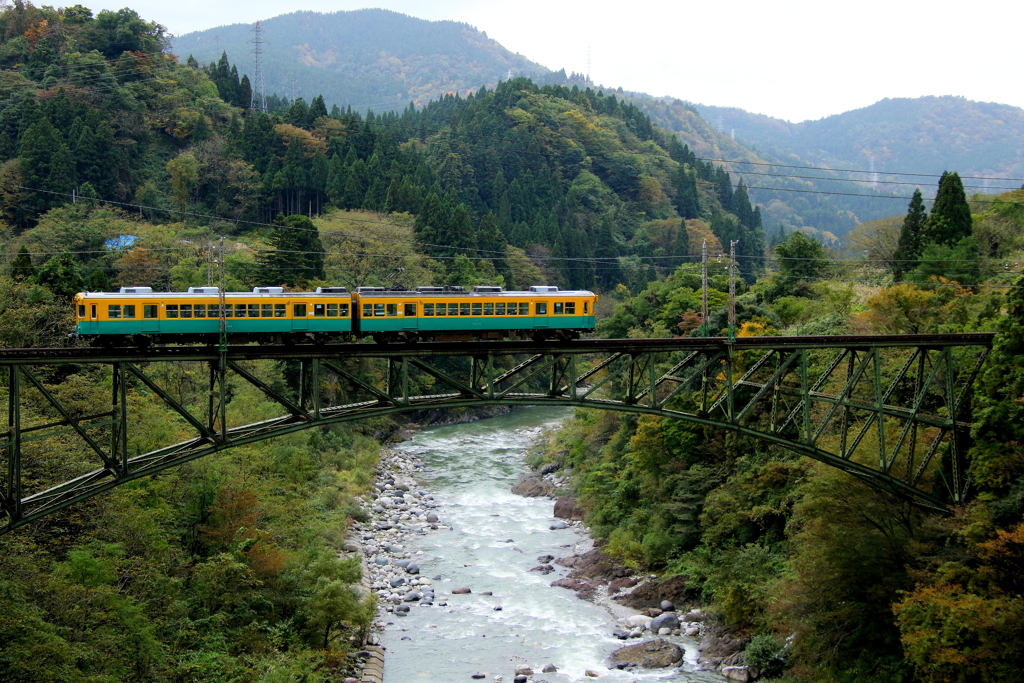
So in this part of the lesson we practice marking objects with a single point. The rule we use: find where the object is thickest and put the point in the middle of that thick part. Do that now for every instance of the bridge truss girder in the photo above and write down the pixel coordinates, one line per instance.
(890, 410)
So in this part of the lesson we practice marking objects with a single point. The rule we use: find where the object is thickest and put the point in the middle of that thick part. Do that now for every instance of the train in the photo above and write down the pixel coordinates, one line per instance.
(140, 316)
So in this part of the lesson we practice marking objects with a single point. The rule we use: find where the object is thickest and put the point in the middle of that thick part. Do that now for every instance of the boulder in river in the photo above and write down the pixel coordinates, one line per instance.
(560, 524)
(667, 620)
(550, 669)
(650, 654)
(532, 486)
(461, 591)
(566, 508)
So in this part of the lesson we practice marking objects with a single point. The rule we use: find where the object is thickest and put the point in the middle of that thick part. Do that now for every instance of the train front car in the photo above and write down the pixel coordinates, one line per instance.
(486, 312)
(139, 316)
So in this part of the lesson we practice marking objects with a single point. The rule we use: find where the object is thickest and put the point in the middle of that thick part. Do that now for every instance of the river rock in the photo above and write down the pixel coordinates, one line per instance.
(411, 597)
(566, 508)
(519, 679)
(667, 606)
(543, 569)
(545, 559)
(738, 673)
(550, 468)
(412, 568)
(381, 560)
(550, 669)
(351, 547)
(461, 591)
(524, 671)
(396, 582)
(667, 620)
(478, 675)
(650, 654)
(403, 563)
(637, 620)
(558, 525)
(618, 584)
(532, 486)
(694, 616)
(621, 634)
(432, 518)
(591, 673)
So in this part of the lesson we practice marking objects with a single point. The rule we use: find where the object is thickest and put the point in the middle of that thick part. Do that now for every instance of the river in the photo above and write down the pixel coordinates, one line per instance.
(470, 471)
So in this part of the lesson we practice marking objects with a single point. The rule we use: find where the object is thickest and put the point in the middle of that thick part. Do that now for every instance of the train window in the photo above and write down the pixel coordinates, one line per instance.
(81, 310)
(114, 311)
(266, 310)
(378, 310)
(428, 310)
(198, 311)
(129, 310)
(499, 309)
(280, 310)
(392, 310)
(488, 309)
(586, 307)
(299, 310)
(332, 310)
(92, 312)
(512, 308)
(478, 309)
(254, 310)
(319, 310)
(570, 308)
(453, 309)
(558, 308)
(186, 310)
(464, 309)
(149, 311)
(172, 311)
(343, 310)
(410, 310)
(542, 308)
(239, 310)
(524, 309)
(367, 310)
(441, 310)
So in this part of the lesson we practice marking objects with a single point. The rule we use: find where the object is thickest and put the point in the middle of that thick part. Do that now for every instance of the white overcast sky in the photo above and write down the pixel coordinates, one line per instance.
(792, 59)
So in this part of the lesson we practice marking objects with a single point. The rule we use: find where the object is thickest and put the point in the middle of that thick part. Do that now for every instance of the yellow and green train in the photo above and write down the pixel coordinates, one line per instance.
(270, 314)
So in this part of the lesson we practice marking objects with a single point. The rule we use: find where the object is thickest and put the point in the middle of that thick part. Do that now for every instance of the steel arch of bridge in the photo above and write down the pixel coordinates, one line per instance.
(891, 410)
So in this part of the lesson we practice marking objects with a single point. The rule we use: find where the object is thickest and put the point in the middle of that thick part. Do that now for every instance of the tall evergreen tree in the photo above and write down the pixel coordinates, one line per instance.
(297, 254)
(912, 235)
(46, 166)
(950, 220)
(21, 267)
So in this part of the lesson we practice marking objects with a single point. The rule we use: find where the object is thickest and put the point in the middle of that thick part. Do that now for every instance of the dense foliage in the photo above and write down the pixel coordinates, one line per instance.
(831, 579)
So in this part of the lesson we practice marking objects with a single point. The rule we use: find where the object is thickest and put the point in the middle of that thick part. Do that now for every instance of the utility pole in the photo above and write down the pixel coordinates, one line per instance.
(223, 303)
(732, 290)
(704, 322)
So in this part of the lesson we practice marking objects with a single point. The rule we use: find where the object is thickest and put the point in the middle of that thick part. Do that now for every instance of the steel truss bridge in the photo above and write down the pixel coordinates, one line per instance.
(892, 410)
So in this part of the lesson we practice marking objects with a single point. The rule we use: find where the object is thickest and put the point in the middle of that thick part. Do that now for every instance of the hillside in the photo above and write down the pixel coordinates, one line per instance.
(369, 59)
(923, 135)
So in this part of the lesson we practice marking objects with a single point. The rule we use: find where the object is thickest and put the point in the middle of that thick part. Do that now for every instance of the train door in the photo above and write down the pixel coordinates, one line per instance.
(410, 319)
(150, 317)
(299, 322)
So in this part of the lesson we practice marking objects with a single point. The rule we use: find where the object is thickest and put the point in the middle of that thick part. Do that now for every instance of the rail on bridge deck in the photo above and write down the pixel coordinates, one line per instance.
(892, 410)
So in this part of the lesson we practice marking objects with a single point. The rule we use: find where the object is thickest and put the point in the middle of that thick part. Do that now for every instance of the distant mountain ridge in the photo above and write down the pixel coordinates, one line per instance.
(920, 135)
(368, 59)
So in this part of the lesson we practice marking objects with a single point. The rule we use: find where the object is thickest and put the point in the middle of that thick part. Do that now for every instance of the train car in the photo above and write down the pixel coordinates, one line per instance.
(264, 314)
(269, 314)
(486, 312)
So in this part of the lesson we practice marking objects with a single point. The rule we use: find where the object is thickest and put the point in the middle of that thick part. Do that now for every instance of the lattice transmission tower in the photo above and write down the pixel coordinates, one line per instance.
(259, 87)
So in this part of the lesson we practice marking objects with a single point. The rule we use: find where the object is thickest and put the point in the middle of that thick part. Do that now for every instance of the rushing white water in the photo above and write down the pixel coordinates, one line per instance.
(471, 470)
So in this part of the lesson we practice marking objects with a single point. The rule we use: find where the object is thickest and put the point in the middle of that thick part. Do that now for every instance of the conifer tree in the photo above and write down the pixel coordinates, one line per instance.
(336, 178)
(296, 256)
(910, 244)
(950, 220)
(46, 166)
(21, 267)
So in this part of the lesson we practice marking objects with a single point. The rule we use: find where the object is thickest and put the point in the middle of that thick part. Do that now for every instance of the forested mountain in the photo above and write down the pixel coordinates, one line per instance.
(367, 59)
(921, 135)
